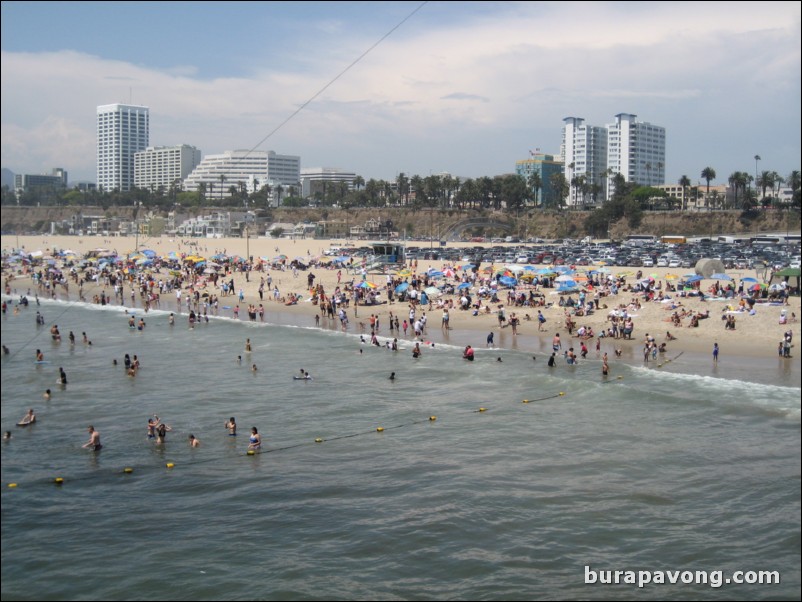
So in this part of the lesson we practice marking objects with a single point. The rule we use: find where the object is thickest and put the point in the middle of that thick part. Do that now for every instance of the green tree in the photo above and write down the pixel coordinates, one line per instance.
(708, 174)
(535, 183)
(794, 184)
(560, 187)
(684, 181)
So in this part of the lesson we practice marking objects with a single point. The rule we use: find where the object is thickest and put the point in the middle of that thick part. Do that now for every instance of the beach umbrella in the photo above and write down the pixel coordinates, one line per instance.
(432, 291)
(436, 274)
(508, 281)
(563, 269)
(693, 279)
(671, 276)
(209, 271)
(448, 273)
(402, 287)
(148, 253)
(720, 276)
(564, 278)
(365, 284)
(463, 286)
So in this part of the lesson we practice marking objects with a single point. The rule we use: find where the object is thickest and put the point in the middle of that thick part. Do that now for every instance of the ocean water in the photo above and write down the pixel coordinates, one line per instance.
(655, 469)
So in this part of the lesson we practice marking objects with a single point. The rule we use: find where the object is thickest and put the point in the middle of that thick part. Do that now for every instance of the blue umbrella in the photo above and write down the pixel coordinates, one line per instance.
(402, 287)
(464, 285)
(148, 253)
(720, 277)
(508, 281)
(748, 279)
(693, 279)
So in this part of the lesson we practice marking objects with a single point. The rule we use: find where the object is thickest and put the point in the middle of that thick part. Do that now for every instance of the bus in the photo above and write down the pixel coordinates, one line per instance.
(765, 240)
(640, 239)
(673, 239)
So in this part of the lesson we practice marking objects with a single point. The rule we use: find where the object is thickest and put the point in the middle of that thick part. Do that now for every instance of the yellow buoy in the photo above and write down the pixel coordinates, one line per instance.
(170, 465)
(12, 485)
(380, 429)
(562, 392)
(251, 452)
(483, 409)
(58, 480)
(432, 418)
(318, 440)
(128, 470)
(619, 377)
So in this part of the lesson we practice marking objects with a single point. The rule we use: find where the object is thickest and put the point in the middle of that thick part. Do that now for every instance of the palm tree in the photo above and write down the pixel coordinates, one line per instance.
(794, 182)
(765, 180)
(535, 182)
(684, 181)
(359, 182)
(222, 177)
(279, 190)
(560, 186)
(708, 173)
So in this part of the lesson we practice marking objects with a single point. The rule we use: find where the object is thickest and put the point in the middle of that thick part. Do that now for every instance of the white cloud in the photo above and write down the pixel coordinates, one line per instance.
(441, 97)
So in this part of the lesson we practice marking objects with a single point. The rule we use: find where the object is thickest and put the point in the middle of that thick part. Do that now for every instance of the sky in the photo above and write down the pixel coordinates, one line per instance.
(467, 88)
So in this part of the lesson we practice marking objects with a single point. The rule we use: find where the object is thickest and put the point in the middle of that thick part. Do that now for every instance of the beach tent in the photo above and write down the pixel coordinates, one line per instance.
(707, 267)
(787, 274)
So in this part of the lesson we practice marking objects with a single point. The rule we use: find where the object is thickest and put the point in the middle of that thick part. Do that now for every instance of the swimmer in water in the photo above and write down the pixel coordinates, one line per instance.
(392, 375)
(46, 395)
(29, 418)
(255, 440)
(94, 439)
(194, 441)
(231, 425)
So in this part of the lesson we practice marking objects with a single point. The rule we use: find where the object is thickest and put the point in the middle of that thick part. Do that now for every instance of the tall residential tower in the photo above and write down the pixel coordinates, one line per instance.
(585, 160)
(636, 150)
(122, 131)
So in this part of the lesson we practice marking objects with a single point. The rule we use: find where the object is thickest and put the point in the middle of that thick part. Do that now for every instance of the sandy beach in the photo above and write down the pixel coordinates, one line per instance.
(756, 335)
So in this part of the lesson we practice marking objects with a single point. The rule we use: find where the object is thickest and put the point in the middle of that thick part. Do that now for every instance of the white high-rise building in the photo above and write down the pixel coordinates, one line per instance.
(122, 131)
(248, 170)
(636, 150)
(165, 166)
(584, 149)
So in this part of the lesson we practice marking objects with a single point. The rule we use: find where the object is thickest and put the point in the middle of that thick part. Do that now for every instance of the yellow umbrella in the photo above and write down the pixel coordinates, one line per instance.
(671, 276)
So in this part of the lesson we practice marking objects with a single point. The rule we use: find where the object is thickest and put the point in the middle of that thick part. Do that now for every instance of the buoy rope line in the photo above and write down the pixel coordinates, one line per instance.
(60, 480)
(44, 328)
(668, 361)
